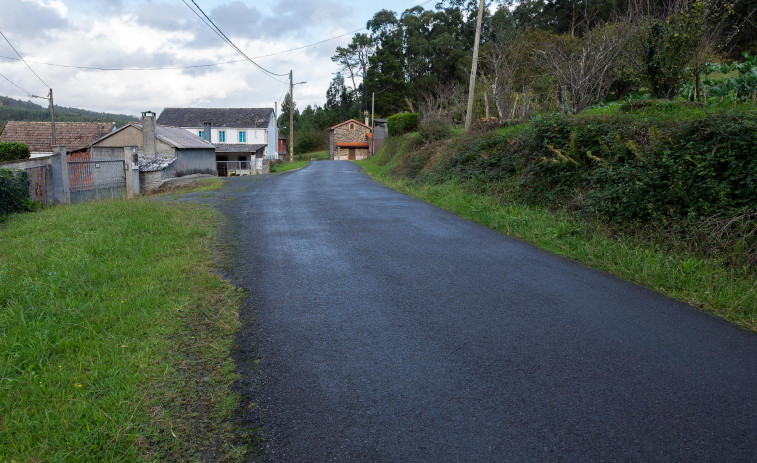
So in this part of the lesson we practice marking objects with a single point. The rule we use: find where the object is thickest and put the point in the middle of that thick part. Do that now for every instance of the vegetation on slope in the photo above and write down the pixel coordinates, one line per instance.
(18, 110)
(660, 193)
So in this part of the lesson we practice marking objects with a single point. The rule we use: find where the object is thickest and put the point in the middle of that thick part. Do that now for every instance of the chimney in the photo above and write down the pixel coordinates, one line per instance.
(148, 133)
(366, 119)
(206, 131)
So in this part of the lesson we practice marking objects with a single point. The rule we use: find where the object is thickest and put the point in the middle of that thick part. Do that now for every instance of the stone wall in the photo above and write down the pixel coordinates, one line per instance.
(350, 132)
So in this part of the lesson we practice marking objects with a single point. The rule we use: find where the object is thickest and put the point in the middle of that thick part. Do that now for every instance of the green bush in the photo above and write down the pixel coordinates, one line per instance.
(14, 192)
(13, 151)
(399, 124)
(433, 130)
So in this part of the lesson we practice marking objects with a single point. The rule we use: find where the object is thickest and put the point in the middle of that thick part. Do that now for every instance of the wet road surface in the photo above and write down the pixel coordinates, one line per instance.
(381, 328)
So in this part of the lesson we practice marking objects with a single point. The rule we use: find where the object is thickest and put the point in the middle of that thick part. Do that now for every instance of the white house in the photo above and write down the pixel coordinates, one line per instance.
(243, 136)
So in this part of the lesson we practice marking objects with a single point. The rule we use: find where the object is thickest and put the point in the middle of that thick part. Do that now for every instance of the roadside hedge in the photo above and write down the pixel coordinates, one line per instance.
(690, 173)
(402, 123)
(14, 191)
(13, 151)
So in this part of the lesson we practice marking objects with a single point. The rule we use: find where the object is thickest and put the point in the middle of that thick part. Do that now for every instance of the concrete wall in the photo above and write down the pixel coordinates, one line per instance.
(150, 181)
(198, 161)
(132, 136)
(107, 153)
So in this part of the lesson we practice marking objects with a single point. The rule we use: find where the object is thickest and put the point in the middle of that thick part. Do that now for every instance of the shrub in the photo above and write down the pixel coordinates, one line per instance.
(433, 130)
(13, 151)
(399, 124)
(14, 192)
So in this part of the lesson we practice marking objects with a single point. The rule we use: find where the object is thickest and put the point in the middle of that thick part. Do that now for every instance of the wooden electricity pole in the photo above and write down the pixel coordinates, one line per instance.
(474, 65)
(52, 116)
(373, 122)
(291, 118)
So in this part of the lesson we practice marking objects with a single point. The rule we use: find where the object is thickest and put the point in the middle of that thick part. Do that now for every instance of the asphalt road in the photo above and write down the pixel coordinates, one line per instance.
(384, 329)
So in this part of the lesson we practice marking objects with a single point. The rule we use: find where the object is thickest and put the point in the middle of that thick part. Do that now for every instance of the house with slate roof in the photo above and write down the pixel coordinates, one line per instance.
(163, 152)
(243, 136)
(75, 136)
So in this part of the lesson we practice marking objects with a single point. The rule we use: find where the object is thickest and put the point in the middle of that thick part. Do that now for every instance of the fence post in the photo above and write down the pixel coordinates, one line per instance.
(59, 175)
(132, 171)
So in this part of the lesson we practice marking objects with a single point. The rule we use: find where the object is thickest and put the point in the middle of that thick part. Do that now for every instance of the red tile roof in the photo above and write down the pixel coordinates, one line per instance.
(351, 120)
(352, 145)
(38, 135)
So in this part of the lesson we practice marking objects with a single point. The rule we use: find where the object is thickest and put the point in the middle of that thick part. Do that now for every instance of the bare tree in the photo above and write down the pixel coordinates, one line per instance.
(505, 62)
(584, 67)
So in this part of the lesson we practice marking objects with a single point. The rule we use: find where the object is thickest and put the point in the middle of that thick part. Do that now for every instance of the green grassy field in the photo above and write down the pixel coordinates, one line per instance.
(115, 335)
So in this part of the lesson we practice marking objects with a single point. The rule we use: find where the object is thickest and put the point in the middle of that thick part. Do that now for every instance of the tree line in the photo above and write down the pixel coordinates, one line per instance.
(536, 56)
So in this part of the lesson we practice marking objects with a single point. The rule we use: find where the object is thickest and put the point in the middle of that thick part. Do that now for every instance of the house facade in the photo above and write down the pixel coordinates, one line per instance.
(163, 152)
(243, 136)
(349, 140)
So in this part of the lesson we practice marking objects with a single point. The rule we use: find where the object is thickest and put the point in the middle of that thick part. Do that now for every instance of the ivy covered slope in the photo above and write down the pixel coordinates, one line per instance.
(667, 176)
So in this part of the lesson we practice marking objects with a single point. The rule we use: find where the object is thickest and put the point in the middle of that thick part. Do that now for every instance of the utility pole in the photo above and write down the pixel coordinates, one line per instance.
(474, 65)
(373, 122)
(52, 116)
(291, 118)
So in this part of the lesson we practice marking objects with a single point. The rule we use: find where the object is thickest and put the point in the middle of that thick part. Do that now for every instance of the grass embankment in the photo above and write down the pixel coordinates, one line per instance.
(471, 177)
(115, 335)
(285, 166)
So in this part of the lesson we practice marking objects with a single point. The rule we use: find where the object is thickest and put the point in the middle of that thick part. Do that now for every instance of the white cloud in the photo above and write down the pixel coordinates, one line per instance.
(154, 33)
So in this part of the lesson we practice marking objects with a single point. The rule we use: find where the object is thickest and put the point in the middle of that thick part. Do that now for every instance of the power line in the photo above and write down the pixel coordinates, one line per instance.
(22, 59)
(223, 36)
(195, 66)
(14, 84)
(97, 68)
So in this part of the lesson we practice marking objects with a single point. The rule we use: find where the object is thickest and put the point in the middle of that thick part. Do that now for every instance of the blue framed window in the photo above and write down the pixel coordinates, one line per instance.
(201, 134)
(221, 136)
(242, 136)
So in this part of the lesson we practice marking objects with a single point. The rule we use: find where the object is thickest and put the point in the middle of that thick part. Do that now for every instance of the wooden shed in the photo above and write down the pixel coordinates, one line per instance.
(349, 140)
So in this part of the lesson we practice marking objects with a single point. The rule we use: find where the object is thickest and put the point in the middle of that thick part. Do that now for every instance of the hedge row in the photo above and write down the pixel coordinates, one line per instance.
(13, 151)
(399, 124)
(14, 192)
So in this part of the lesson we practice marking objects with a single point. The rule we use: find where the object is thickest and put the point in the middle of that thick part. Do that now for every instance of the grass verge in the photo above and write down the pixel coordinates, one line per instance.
(285, 166)
(197, 185)
(115, 335)
(312, 156)
(727, 292)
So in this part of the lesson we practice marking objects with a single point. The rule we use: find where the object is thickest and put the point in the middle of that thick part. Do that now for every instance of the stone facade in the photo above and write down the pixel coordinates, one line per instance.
(349, 141)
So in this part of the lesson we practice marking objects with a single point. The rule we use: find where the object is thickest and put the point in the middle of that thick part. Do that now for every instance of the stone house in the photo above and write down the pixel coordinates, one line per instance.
(349, 140)
(163, 152)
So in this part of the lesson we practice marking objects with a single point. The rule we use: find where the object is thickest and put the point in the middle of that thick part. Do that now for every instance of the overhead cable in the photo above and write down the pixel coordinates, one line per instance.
(22, 59)
(223, 36)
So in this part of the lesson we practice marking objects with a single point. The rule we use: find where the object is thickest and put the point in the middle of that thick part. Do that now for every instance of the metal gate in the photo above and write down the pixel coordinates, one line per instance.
(90, 180)
(38, 181)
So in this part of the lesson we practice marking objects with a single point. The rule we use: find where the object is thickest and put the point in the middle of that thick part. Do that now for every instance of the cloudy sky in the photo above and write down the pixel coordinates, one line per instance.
(166, 33)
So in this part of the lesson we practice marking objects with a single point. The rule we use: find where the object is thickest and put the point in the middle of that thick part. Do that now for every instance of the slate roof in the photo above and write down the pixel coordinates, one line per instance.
(154, 164)
(38, 135)
(238, 148)
(174, 136)
(217, 117)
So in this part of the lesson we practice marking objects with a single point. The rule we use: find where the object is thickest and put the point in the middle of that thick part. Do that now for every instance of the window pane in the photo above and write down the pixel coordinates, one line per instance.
(221, 136)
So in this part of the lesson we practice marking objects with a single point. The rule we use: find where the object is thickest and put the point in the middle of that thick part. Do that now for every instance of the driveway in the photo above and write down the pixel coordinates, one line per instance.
(381, 328)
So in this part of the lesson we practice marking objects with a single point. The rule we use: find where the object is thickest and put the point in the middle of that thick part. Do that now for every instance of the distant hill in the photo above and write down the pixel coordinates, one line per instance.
(18, 110)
